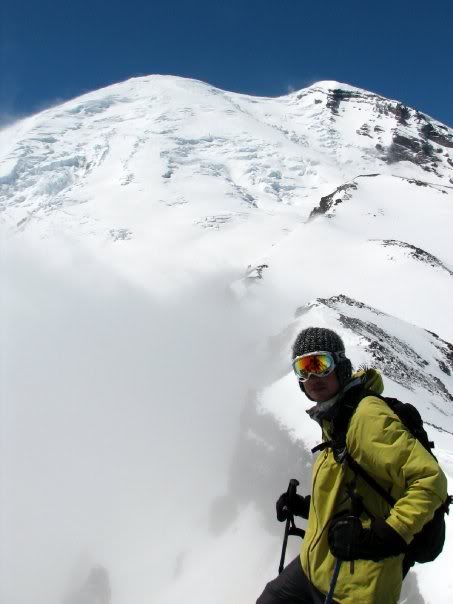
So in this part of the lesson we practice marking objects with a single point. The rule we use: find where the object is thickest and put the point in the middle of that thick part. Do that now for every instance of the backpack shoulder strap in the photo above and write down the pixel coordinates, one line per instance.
(411, 419)
(357, 468)
(340, 424)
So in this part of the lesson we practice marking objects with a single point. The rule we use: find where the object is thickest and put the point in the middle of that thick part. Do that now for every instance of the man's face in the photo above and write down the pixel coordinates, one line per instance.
(321, 389)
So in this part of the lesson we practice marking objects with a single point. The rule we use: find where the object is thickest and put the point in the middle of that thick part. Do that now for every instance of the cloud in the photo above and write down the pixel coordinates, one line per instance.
(119, 420)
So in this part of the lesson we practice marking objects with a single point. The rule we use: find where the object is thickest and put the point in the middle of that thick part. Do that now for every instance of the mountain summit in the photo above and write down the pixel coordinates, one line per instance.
(163, 141)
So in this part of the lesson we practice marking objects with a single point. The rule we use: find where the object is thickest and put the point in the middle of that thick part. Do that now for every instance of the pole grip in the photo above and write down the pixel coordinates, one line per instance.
(292, 488)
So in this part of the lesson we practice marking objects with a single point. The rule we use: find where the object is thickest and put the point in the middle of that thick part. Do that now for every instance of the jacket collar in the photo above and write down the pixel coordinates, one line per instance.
(327, 410)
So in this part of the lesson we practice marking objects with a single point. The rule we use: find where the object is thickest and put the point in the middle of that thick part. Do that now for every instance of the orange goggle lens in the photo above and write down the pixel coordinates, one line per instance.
(320, 364)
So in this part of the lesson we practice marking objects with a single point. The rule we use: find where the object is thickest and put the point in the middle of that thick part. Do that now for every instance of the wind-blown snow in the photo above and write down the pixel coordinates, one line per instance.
(162, 243)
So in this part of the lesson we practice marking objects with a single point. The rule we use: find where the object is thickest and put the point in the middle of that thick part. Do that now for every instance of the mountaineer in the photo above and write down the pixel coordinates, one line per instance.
(361, 527)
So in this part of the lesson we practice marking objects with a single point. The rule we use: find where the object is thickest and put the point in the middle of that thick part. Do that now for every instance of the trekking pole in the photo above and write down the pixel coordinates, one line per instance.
(333, 582)
(293, 484)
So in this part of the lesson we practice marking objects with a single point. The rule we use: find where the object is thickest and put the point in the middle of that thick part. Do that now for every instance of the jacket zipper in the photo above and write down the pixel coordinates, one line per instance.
(314, 541)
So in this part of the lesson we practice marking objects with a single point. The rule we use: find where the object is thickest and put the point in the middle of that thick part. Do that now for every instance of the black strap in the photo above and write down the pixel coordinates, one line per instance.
(298, 532)
(322, 446)
(341, 426)
(368, 479)
(448, 503)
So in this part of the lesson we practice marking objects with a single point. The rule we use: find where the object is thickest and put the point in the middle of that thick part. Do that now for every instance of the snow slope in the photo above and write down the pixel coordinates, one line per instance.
(162, 243)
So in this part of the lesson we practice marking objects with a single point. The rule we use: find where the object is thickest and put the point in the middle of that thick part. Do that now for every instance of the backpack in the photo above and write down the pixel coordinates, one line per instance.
(429, 542)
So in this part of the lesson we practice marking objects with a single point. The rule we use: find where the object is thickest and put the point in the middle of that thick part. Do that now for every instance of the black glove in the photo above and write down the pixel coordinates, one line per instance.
(296, 505)
(348, 540)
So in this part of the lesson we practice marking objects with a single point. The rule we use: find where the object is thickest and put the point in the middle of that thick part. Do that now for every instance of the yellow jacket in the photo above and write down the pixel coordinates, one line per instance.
(387, 451)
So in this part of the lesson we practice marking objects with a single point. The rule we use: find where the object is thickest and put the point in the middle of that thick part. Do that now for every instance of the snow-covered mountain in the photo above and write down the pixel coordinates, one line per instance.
(139, 143)
(163, 241)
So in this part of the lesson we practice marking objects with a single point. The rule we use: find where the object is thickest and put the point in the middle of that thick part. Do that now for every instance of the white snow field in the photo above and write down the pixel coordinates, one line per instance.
(162, 243)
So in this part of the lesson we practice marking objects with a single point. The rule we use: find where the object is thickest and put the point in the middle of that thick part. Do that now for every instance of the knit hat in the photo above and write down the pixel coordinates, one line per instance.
(315, 339)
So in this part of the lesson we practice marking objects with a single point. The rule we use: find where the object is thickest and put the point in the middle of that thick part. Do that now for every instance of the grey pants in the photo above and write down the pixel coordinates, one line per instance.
(291, 587)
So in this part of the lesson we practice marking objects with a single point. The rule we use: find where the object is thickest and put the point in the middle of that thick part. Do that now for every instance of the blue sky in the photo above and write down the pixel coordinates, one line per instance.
(55, 50)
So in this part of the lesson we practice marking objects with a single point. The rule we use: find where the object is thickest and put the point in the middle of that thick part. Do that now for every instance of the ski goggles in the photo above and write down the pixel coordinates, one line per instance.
(319, 363)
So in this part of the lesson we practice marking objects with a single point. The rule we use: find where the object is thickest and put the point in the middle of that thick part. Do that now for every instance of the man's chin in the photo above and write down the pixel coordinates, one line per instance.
(320, 396)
